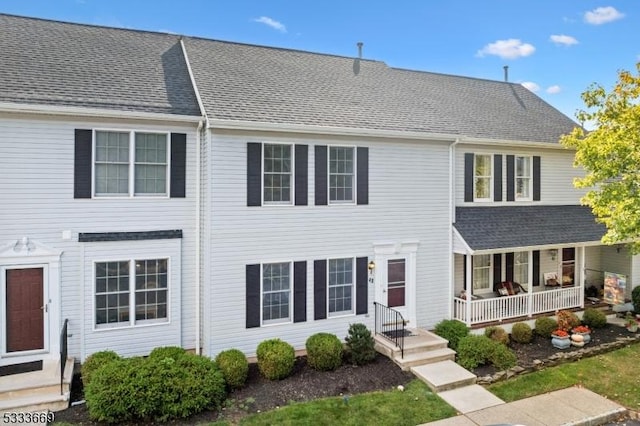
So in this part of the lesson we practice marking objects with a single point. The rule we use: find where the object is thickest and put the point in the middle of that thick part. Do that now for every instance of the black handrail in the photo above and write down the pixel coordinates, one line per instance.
(390, 325)
(63, 353)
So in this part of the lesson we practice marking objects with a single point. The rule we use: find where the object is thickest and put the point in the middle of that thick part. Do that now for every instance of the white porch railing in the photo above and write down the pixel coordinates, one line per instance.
(520, 305)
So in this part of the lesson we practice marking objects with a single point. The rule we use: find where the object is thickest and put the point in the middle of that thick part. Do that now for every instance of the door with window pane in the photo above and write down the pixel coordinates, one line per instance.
(396, 283)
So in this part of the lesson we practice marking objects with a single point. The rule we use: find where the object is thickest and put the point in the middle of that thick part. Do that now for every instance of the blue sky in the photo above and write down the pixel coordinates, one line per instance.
(555, 48)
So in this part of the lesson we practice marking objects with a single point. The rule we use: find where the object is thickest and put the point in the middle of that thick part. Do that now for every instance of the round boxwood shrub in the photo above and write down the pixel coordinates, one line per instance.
(474, 350)
(324, 351)
(147, 389)
(173, 352)
(502, 357)
(275, 359)
(94, 362)
(521, 332)
(234, 367)
(544, 326)
(594, 318)
(497, 334)
(452, 330)
(360, 344)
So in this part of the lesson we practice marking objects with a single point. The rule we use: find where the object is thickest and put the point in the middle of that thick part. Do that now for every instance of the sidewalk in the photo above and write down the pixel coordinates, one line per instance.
(572, 406)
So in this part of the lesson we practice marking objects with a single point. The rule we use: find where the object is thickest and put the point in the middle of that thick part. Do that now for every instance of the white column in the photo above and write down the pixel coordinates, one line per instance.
(530, 285)
(467, 288)
(580, 270)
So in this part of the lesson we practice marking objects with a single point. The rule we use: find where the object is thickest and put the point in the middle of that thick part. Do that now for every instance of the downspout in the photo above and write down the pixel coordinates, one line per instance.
(452, 220)
(203, 127)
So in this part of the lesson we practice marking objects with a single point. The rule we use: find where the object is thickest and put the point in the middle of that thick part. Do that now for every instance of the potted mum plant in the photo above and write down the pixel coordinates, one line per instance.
(630, 322)
(560, 339)
(584, 331)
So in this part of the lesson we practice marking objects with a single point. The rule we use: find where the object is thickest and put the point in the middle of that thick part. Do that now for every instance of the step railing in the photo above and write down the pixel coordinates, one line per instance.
(390, 325)
(63, 354)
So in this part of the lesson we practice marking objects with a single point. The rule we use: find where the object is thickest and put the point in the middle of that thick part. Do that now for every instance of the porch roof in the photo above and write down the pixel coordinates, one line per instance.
(508, 227)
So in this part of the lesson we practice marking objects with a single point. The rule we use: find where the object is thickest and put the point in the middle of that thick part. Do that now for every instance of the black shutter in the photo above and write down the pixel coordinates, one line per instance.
(301, 173)
(536, 178)
(299, 291)
(253, 296)
(508, 260)
(321, 175)
(536, 267)
(497, 177)
(254, 174)
(319, 289)
(511, 178)
(82, 164)
(362, 295)
(362, 176)
(468, 176)
(497, 270)
(178, 165)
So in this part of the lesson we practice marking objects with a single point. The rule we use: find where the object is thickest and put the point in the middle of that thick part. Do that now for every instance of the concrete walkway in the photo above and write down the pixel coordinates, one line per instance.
(572, 406)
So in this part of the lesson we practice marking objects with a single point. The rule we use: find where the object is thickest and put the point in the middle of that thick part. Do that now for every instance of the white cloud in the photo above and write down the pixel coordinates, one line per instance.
(563, 39)
(507, 49)
(271, 23)
(602, 15)
(531, 86)
(554, 89)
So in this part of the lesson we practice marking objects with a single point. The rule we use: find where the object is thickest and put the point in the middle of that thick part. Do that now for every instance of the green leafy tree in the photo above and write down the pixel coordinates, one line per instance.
(610, 156)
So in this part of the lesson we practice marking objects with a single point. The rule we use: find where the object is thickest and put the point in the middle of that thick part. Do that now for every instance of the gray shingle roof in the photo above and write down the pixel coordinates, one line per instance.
(503, 227)
(262, 84)
(54, 63)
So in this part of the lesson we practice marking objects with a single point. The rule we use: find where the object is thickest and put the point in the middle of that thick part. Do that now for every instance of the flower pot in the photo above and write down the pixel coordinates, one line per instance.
(632, 328)
(560, 342)
(586, 337)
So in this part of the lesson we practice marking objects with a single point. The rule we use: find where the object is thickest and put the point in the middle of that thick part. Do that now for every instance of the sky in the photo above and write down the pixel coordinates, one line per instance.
(555, 48)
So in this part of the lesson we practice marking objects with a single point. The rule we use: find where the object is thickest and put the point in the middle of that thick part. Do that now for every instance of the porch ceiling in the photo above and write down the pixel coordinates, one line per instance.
(504, 227)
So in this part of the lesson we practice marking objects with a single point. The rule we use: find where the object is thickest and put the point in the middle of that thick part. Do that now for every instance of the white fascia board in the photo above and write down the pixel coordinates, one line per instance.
(515, 143)
(95, 112)
(542, 247)
(327, 130)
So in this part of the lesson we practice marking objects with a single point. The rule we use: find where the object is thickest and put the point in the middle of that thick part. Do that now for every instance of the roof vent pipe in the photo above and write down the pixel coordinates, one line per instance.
(506, 73)
(360, 49)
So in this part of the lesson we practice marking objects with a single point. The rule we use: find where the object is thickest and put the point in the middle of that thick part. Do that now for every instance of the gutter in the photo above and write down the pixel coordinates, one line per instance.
(202, 130)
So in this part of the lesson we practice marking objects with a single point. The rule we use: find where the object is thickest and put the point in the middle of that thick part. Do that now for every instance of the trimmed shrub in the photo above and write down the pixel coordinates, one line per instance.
(234, 367)
(635, 299)
(96, 361)
(173, 352)
(594, 318)
(360, 344)
(149, 389)
(545, 325)
(497, 334)
(474, 350)
(521, 332)
(324, 351)
(453, 331)
(567, 320)
(275, 359)
(502, 357)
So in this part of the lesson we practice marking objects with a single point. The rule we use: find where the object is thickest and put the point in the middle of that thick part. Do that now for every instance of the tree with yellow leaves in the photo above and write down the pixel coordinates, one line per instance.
(610, 155)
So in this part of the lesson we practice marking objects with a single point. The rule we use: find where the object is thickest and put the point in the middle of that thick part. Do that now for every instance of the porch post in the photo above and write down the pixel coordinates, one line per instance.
(530, 286)
(581, 271)
(467, 289)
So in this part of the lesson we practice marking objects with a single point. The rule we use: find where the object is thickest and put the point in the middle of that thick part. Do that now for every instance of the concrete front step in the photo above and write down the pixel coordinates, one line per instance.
(426, 357)
(444, 375)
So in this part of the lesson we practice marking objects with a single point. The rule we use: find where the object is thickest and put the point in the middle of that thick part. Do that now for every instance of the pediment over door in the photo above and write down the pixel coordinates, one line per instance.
(27, 248)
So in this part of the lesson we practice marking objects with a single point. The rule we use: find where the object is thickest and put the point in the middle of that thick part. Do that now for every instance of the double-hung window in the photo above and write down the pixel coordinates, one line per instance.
(276, 292)
(341, 174)
(523, 177)
(521, 267)
(483, 177)
(340, 286)
(482, 273)
(131, 292)
(131, 163)
(278, 174)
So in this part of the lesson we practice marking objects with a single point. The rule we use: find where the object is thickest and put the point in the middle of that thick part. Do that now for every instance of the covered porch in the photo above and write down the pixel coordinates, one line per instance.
(522, 261)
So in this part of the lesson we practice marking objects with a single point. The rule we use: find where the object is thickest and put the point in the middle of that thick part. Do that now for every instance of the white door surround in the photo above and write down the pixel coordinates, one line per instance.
(384, 252)
(25, 253)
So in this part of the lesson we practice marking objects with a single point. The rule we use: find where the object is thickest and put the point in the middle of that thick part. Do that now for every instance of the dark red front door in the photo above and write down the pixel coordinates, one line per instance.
(25, 315)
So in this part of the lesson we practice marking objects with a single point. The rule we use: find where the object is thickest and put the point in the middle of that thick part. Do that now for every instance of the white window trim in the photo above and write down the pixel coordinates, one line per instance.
(131, 190)
(516, 177)
(132, 323)
(355, 176)
(489, 289)
(353, 289)
(271, 323)
(293, 176)
(491, 178)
